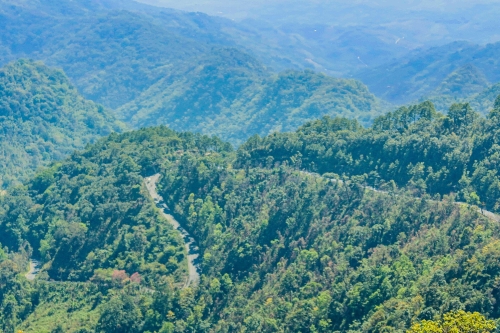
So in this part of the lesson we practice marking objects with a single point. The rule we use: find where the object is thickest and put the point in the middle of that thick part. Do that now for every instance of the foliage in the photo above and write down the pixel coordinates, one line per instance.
(231, 95)
(187, 71)
(91, 211)
(43, 119)
(283, 250)
(459, 321)
(413, 146)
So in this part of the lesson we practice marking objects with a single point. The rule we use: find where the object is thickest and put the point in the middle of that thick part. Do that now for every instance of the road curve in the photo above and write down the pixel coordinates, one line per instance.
(190, 244)
(492, 216)
(33, 271)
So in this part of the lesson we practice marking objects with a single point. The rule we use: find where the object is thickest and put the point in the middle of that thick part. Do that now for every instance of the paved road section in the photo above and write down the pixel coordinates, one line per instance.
(488, 214)
(191, 247)
(33, 271)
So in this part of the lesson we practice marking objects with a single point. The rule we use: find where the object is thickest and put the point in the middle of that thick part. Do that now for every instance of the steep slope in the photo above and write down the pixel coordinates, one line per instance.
(43, 119)
(465, 81)
(91, 212)
(417, 75)
(231, 95)
(413, 147)
(461, 85)
(110, 54)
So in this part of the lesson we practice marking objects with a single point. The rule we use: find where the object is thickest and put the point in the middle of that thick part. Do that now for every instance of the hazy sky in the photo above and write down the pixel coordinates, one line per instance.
(242, 8)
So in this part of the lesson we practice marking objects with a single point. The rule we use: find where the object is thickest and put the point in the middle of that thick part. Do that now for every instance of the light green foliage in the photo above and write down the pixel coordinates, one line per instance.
(233, 96)
(455, 322)
(43, 118)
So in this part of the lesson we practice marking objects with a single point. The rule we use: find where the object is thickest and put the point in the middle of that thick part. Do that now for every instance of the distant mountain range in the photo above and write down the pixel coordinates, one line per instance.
(423, 73)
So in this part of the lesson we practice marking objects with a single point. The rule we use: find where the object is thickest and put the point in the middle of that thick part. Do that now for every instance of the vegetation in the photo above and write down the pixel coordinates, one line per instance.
(283, 250)
(43, 119)
(459, 321)
(183, 70)
(421, 72)
(413, 146)
(233, 96)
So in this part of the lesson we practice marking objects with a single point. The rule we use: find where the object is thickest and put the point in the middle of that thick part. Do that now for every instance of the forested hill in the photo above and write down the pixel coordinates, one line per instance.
(42, 119)
(184, 70)
(282, 250)
(414, 147)
(232, 95)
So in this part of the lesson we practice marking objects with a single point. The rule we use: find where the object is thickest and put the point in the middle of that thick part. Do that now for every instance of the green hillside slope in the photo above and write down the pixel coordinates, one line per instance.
(464, 84)
(465, 81)
(413, 146)
(231, 95)
(42, 119)
(486, 98)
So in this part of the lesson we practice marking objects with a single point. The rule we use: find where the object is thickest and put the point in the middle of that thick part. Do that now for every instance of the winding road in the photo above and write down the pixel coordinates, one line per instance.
(484, 212)
(34, 270)
(191, 247)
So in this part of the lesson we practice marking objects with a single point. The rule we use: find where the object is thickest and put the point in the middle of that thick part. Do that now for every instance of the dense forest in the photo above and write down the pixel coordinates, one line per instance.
(170, 68)
(43, 118)
(307, 206)
(414, 147)
(283, 250)
(233, 96)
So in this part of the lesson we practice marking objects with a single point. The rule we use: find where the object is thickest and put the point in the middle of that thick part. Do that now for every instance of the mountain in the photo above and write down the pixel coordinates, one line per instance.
(184, 70)
(460, 86)
(485, 99)
(465, 81)
(419, 74)
(232, 95)
(341, 38)
(282, 249)
(43, 119)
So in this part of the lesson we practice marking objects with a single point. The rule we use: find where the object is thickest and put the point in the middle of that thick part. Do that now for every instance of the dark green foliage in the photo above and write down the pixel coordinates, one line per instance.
(120, 315)
(414, 147)
(42, 119)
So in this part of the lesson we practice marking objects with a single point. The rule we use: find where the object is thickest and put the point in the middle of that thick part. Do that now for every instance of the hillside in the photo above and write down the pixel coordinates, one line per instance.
(185, 70)
(43, 119)
(420, 73)
(465, 81)
(232, 95)
(486, 98)
(414, 147)
(283, 250)
(463, 85)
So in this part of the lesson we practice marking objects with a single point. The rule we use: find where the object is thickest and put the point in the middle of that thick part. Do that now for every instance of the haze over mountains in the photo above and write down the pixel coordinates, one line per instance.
(334, 166)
